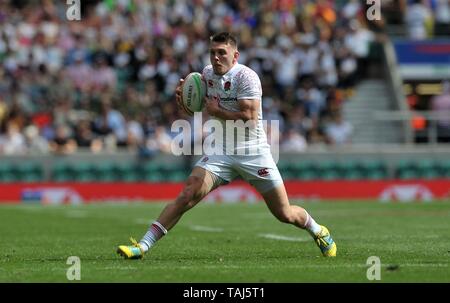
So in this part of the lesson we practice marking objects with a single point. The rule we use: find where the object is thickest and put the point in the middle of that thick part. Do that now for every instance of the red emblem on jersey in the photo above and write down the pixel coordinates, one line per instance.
(210, 83)
(227, 85)
(263, 172)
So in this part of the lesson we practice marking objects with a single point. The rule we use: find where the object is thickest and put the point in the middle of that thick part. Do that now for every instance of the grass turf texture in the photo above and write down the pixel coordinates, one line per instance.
(226, 243)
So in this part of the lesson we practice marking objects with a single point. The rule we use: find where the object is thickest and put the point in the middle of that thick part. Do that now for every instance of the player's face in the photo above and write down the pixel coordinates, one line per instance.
(223, 56)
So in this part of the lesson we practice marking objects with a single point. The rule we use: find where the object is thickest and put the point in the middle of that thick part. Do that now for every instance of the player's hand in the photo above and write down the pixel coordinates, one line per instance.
(178, 94)
(212, 105)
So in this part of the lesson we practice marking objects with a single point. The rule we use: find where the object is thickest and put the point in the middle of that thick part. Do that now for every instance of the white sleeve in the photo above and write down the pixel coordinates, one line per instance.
(206, 72)
(249, 85)
(206, 75)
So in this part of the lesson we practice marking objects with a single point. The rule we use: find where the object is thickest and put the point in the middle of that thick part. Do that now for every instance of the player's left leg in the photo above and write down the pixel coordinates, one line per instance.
(278, 203)
(197, 186)
(262, 172)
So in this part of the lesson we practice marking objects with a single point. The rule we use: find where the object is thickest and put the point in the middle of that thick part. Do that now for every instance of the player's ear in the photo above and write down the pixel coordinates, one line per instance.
(236, 55)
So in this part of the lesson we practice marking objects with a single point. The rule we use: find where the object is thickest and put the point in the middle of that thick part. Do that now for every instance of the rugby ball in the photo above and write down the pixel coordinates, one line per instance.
(193, 92)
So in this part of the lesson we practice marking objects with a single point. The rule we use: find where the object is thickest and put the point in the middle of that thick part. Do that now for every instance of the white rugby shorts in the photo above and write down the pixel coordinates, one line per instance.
(260, 171)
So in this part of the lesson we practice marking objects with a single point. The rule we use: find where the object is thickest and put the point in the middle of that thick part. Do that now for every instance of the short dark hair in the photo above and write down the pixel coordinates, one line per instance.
(224, 37)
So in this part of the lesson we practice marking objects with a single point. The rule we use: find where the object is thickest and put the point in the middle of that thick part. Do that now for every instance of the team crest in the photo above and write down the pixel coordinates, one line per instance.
(263, 172)
(205, 159)
(227, 86)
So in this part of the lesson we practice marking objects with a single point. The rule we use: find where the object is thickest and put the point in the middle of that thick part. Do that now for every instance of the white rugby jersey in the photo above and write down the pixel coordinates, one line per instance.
(240, 82)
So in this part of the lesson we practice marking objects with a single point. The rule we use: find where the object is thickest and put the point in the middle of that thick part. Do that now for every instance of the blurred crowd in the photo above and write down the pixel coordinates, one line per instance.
(424, 19)
(108, 81)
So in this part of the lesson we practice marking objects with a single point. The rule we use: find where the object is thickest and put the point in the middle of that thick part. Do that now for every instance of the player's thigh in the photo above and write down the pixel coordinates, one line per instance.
(263, 174)
(209, 173)
(220, 166)
(260, 171)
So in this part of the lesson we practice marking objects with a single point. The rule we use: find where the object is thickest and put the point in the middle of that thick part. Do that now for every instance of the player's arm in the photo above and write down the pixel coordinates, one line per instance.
(248, 110)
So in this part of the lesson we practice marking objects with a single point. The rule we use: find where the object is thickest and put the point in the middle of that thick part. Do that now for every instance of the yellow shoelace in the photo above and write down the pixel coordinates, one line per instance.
(134, 242)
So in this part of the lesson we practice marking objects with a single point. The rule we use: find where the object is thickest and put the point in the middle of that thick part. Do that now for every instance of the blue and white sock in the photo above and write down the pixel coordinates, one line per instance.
(154, 233)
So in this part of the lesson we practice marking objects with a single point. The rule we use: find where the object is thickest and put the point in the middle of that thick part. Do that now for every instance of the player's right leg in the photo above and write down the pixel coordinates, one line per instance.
(278, 203)
(197, 186)
(262, 172)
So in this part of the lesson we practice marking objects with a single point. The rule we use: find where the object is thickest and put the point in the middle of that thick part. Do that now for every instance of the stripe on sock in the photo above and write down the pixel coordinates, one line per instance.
(155, 232)
(163, 230)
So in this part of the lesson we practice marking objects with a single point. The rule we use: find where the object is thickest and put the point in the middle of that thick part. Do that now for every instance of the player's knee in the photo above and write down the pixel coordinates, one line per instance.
(191, 192)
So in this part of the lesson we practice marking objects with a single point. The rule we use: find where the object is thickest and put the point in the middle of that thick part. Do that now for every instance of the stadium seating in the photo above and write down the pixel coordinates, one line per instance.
(83, 172)
(61, 172)
(374, 169)
(152, 171)
(7, 173)
(127, 172)
(304, 170)
(406, 170)
(105, 171)
(21, 172)
(350, 170)
(29, 172)
(444, 169)
(427, 169)
(328, 170)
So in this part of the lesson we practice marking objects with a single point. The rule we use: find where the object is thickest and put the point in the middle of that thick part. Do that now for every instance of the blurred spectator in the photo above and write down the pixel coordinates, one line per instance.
(85, 137)
(112, 121)
(359, 40)
(326, 71)
(63, 143)
(79, 73)
(310, 97)
(135, 132)
(3, 110)
(293, 142)
(316, 137)
(417, 17)
(418, 121)
(441, 104)
(160, 141)
(338, 131)
(442, 20)
(103, 76)
(13, 141)
(35, 143)
(347, 69)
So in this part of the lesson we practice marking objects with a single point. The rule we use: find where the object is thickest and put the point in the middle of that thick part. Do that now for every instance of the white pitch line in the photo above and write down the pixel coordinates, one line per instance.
(284, 238)
(206, 228)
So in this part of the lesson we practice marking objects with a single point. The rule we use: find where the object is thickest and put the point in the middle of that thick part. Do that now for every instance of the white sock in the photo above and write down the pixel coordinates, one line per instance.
(311, 225)
(154, 233)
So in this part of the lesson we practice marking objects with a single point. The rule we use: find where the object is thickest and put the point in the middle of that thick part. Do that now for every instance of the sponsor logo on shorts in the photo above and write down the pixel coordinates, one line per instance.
(263, 172)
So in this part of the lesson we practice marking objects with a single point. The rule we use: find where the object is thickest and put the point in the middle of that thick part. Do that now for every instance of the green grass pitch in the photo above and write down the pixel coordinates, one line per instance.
(226, 243)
